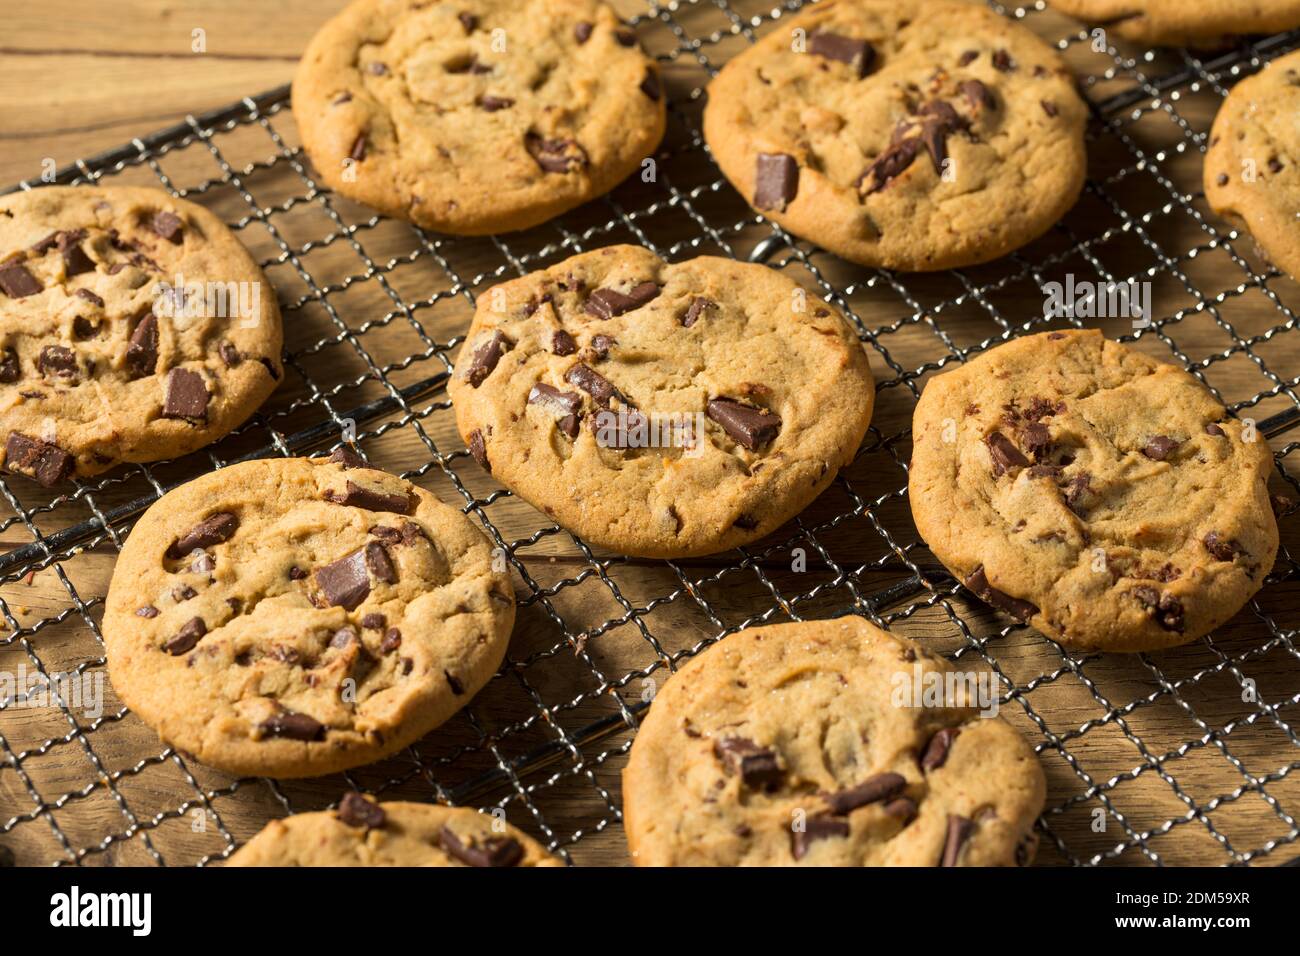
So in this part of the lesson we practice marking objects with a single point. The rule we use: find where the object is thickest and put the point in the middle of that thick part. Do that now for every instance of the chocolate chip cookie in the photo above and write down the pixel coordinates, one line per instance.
(1252, 166)
(363, 833)
(661, 409)
(805, 744)
(902, 134)
(134, 327)
(477, 116)
(294, 617)
(1103, 497)
(1189, 22)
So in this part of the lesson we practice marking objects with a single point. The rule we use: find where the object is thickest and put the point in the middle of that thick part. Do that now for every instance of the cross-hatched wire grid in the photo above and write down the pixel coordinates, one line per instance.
(1186, 756)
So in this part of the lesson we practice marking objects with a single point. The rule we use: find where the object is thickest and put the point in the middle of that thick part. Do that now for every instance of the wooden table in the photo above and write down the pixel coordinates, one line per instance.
(77, 77)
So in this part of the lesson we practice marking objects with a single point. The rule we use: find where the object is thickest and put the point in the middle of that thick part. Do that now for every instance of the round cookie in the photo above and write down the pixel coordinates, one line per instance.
(363, 833)
(1185, 22)
(1103, 497)
(477, 116)
(1252, 166)
(901, 134)
(134, 327)
(661, 409)
(801, 744)
(293, 617)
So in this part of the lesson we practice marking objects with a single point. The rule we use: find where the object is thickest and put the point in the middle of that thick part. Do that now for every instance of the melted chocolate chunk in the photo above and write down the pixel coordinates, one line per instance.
(889, 165)
(374, 621)
(345, 583)
(213, 529)
(582, 32)
(978, 95)
(346, 456)
(293, 726)
(565, 406)
(10, 371)
(697, 308)
(601, 345)
(16, 281)
(1221, 549)
(936, 751)
(356, 811)
(607, 303)
(881, 787)
(562, 343)
(816, 828)
(142, 350)
(757, 767)
(776, 181)
(75, 260)
(58, 361)
(187, 637)
(167, 225)
(46, 462)
(497, 851)
(478, 448)
(555, 155)
(229, 354)
(1002, 61)
(1036, 439)
(354, 496)
(747, 426)
(1165, 608)
(1004, 453)
(89, 297)
(392, 640)
(380, 564)
(1020, 610)
(859, 54)
(902, 808)
(959, 831)
(594, 384)
(1215, 430)
(187, 396)
(343, 637)
(486, 357)
(1160, 447)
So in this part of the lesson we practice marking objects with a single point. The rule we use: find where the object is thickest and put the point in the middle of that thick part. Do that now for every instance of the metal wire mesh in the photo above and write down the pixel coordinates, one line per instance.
(1185, 756)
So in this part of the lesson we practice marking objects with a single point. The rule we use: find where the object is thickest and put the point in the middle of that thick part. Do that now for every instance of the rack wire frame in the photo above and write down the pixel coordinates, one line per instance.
(577, 751)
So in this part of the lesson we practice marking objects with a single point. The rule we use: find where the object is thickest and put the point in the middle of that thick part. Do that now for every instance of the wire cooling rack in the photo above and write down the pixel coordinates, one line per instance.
(1185, 756)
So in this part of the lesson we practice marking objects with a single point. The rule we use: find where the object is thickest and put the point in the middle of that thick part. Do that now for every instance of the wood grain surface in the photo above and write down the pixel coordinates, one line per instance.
(1187, 756)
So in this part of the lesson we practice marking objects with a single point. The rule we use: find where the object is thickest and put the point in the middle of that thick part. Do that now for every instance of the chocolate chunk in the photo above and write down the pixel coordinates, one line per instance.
(1165, 608)
(562, 343)
(650, 85)
(1004, 453)
(967, 58)
(747, 426)
(1002, 61)
(392, 640)
(168, 225)
(356, 811)
(1080, 485)
(186, 637)
(271, 370)
(565, 406)
(757, 766)
(354, 496)
(380, 564)
(492, 104)
(978, 95)
(776, 181)
(187, 396)
(625, 37)
(903, 808)
(1020, 610)
(1049, 108)
(486, 357)
(89, 297)
(607, 303)
(494, 851)
(890, 164)
(858, 54)
(1215, 430)
(478, 448)
(346, 456)
(296, 573)
(582, 32)
(16, 281)
(293, 726)
(816, 828)
(229, 354)
(594, 384)
(9, 369)
(468, 21)
(358, 151)
(1221, 549)
(1036, 439)
(58, 361)
(601, 345)
(46, 462)
(883, 786)
(374, 621)
(213, 529)
(343, 637)
(142, 350)
(83, 328)
(378, 69)
(75, 260)
(959, 831)
(146, 610)
(936, 751)
(555, 155)
(1159, 447)
(697, 307)
(346, 582)
(183, 593)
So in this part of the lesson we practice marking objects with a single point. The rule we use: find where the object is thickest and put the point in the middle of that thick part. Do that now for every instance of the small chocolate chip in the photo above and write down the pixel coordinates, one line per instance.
(566, 407)
(562, 343)
(358, 151)
(492, 104)
(1220, 548)
(555, 155)
(1002, 61)
(582, 32)
(1160, 447)
(296, 573)
(496, 851)
(293, 726)
(978, 94)
(650, 85)
(967, 58)
(456, 686)
(188, 636)
(90, 297)
(392, 640)
(1049, 108)
(1213, 429)
(697, 307)
(936, 751)
(147, 610)
(374, 621)
(889, 165)
(356, 811)
(229, 354)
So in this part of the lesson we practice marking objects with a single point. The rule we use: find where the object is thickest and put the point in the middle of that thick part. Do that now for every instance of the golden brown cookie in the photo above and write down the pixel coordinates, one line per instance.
(806, 744)
(293, 617)
(477, 116)
(900, 133)
(134, 327)
(1185, 22)
(1103, 497)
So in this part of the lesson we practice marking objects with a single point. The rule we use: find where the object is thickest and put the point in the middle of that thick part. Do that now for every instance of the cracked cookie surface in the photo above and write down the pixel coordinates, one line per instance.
(1103, 497)
(1252, 166)
(771, 382)
(900, 134)
(1192, 22)
(477, 116)
(803, 724)
(294, 617)
(398, 833)
(99, 365)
